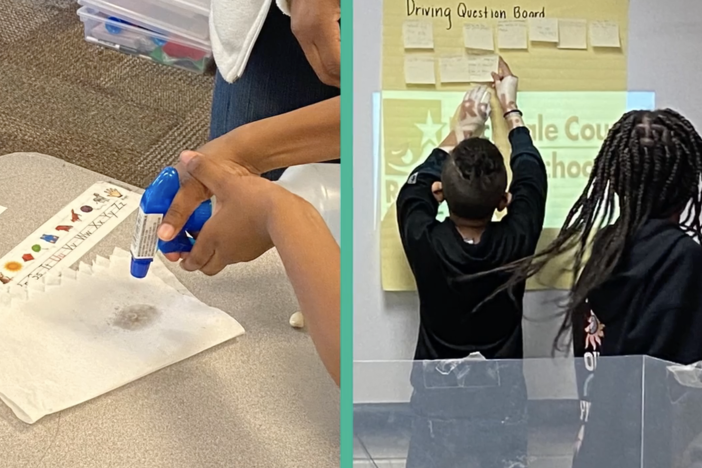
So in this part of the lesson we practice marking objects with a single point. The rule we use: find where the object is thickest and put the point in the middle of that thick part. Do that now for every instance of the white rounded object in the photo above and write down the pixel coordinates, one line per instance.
(297, 320)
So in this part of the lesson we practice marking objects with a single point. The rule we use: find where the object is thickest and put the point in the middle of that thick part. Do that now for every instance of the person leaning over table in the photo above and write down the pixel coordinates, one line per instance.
(274, 217)
(308, 134)
(273, 129)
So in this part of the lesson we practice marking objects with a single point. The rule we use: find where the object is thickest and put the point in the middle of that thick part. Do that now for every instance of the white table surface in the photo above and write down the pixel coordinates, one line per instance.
(263, 400)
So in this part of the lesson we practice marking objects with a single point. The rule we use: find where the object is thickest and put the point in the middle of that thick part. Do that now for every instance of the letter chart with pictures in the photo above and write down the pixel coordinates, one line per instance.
(70, 234)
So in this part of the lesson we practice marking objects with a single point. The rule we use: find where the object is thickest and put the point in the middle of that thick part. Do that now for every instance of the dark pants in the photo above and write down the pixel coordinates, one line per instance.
(277, 79)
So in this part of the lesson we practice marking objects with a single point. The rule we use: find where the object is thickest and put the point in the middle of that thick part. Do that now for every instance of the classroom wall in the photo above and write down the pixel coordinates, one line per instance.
(664, 56)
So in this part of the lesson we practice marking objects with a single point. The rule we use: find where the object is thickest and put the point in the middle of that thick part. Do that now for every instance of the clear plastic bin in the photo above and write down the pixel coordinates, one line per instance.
(640, 412)
(198, 6)
(161, 16)
(166, 49)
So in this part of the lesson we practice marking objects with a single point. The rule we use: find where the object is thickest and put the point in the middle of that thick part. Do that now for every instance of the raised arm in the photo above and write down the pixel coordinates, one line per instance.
(529, 181)
(417, 203)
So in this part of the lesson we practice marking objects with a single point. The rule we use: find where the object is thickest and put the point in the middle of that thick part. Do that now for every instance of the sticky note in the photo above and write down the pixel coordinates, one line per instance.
(512, 35)
(604, 34)
(543, 30)
(419, 69)
(572, 34)
(478, 37)
(418, 35)
(454, 69)
(480, 67)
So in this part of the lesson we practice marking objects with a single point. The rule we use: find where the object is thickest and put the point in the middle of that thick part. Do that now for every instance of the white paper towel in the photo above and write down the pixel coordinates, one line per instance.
(80, 334)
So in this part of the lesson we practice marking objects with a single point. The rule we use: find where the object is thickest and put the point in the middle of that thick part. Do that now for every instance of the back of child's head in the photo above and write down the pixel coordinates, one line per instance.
(648, 167)
(474, 179)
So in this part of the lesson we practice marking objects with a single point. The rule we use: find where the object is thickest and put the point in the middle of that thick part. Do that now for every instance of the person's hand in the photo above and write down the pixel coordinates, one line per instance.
(315, 24)
(472, 114)
(238, 229)
(192, 192)
(437, 189)
(506, 87)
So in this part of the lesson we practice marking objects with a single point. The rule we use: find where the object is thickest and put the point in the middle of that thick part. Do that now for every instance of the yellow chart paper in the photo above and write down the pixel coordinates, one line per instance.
(567, 127)
(541, 67)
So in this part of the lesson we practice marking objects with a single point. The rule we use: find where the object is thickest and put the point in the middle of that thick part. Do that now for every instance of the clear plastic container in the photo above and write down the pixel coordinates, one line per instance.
(133, 40)
(162, 16)
(198, 6)
(320, 185)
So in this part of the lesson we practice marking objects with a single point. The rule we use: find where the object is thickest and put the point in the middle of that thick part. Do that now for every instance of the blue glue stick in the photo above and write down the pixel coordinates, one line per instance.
(154, 204)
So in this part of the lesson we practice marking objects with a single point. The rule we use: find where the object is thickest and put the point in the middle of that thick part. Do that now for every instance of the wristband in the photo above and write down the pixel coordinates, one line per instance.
(513, 111)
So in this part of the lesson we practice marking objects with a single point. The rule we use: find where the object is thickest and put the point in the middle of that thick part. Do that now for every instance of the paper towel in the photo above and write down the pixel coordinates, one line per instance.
(80, 334)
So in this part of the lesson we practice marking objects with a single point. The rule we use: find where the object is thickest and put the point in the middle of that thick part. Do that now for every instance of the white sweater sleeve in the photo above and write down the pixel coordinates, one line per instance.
(284, 6)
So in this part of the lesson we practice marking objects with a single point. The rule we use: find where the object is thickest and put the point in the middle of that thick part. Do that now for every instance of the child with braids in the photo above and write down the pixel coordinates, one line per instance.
(640, 291)
(469, 173)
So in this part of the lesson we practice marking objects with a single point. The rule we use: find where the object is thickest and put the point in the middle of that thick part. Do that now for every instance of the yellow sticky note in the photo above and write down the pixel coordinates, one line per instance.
(418, 35)
(512, 35)
(543, 30)
(478, 37)
(480, 67)
(604, 34)
(454, 69)
(572, 34)
(419, 69)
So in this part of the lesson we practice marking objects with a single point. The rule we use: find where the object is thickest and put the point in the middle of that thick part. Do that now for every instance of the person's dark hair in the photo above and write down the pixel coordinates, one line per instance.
(474, 179)
(649, 167)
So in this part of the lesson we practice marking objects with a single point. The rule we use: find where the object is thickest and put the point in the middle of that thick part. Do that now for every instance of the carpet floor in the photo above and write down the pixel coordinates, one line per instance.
(122, 116)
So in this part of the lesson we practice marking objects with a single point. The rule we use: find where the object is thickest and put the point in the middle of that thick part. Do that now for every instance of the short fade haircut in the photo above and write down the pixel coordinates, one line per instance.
(474, 179)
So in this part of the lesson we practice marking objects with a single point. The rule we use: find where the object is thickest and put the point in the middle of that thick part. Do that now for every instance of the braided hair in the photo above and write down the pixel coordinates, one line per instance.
(649, 167)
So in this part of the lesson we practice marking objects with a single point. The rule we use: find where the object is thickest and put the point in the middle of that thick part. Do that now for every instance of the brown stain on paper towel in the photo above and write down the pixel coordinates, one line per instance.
(135, 317)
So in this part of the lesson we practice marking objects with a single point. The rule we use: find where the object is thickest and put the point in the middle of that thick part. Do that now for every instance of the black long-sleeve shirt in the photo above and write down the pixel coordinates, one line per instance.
(438, 255)
(651, 305)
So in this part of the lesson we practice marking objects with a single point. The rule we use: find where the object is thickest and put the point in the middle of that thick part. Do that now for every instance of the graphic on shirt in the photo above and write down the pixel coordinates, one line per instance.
(594, 334)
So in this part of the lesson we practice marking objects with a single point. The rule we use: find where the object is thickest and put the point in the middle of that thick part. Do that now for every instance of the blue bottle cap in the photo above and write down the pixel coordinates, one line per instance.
(140, 268)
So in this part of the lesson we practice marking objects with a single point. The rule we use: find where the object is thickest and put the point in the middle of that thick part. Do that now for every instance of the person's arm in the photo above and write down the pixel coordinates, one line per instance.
(253, 215)
(417, 207)
(311, 258)
(303, 136)
(526, 212)
(529, 187)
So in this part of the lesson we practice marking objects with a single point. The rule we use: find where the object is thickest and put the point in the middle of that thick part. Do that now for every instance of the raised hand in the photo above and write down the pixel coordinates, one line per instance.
(472, 114)
(506, 87)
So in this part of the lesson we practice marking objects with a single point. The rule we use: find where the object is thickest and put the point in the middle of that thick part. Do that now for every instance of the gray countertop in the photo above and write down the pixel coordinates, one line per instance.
(263, 400)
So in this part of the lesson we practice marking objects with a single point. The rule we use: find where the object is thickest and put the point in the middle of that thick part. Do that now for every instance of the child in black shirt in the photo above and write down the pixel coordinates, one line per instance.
(460, 419)
(640, 292)
(472, 178)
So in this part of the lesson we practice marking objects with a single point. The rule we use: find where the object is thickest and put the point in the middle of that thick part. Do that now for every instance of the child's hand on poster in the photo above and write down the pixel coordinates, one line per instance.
(506, 87)
(472, 114)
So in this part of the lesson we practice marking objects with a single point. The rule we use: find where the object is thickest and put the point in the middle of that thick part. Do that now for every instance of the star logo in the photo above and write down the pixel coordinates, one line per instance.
(429, 131)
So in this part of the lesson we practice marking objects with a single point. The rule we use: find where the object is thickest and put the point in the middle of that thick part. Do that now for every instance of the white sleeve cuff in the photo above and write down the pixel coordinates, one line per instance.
(284, 6)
